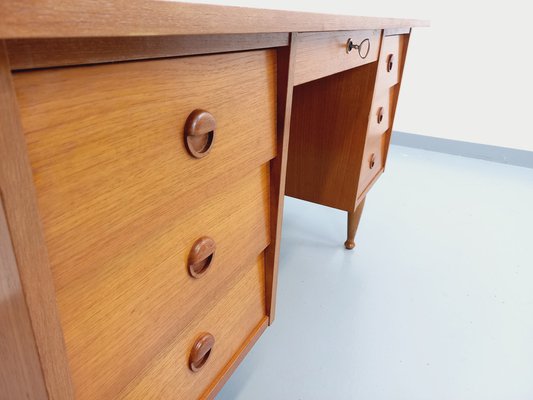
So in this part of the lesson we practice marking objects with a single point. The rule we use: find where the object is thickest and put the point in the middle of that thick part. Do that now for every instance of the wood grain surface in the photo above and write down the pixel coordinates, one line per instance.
(20, 370)
(231, 321)
(390, 46)
(320, 54)
(353, 223)
(28, 244)
(278, 170)
(40, 53)
(140, 299)
(328, 128)
(237, 358)
(82, 18)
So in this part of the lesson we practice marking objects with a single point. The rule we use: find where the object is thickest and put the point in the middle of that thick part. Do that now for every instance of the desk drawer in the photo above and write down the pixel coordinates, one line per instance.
(320, 54)
(230, 323)
(388, 73)
(373, 162)
(379, 120)
(122, 201)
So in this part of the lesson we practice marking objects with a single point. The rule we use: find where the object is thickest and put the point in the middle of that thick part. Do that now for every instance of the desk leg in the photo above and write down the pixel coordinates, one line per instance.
(353, 222)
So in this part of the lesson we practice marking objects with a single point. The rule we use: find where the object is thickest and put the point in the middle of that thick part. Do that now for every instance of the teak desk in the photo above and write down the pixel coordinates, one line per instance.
(145, 149)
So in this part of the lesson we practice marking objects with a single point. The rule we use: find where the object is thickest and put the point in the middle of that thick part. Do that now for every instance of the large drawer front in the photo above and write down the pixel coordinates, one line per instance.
(320, 54)
(230, 323)
(123, 201)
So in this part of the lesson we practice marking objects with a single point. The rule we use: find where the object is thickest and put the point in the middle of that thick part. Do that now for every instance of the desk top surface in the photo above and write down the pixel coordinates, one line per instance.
(90, 18)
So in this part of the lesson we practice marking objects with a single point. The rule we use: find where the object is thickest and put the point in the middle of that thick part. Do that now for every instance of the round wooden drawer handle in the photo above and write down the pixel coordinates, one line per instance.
(372, 161)
(390, 62)
(200, 133)
(201, 351)
(201, 256)
(380, 115)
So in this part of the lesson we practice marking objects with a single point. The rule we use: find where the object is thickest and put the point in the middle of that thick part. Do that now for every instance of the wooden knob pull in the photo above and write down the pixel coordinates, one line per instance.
(201, 256)
(201, 351)
(380, 115)
(372, 161)
(200, 133)
(390, 62)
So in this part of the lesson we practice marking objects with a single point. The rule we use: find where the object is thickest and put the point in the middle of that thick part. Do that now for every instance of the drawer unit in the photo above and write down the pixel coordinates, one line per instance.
(141, 171)
(320, 54)
(229, 324)
(381, 116)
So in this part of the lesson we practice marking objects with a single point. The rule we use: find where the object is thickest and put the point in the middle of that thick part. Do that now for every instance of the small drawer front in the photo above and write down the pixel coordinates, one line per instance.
(209, 342)
(388, 73)
(379, 120)
(373, 163)
(127, 207)
(320, 54)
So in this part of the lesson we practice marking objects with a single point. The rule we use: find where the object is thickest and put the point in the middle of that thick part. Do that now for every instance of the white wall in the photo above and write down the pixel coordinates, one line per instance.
(468, 77)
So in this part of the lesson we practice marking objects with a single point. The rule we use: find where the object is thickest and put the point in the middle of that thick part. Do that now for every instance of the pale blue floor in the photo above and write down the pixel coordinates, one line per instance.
(435, 302)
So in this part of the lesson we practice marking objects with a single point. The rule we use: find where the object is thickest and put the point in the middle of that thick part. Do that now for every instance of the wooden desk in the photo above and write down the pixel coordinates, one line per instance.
(145, 150)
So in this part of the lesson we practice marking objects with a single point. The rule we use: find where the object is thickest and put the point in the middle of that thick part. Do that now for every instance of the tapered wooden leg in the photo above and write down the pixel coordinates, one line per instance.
(353, 222)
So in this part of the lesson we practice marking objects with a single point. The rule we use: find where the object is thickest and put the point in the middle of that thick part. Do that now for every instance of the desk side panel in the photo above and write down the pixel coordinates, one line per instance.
(27, 244)
(20, 371)
(328, 128)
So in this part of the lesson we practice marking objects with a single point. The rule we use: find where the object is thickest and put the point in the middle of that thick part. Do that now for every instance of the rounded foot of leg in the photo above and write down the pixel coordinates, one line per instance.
(349, 244)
